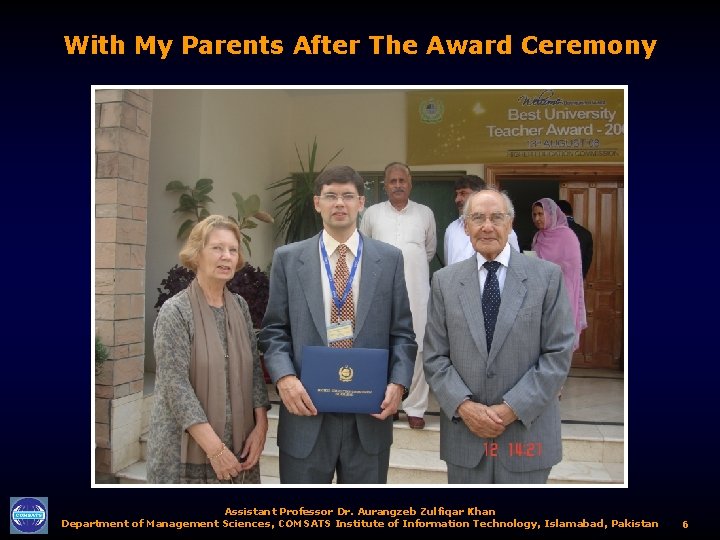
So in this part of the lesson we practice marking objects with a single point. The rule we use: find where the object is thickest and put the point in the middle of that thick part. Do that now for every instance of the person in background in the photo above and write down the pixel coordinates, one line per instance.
(209, 417)
(498, 346)
(302, 310)
(555, 242)
(409, 226)
(584, 236)
(457, 243)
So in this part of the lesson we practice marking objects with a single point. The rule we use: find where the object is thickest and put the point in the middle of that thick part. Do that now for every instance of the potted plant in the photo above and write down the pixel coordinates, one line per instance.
(296, 210)
(193, 202)
(247, 209)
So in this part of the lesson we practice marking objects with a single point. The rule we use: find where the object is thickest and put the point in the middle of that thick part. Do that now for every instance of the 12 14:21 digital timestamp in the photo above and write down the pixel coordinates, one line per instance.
(519, 449)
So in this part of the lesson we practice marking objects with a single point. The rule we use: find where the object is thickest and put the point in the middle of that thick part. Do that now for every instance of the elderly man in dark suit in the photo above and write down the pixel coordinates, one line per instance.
(584, 236)
(302, 311)
(497, 350)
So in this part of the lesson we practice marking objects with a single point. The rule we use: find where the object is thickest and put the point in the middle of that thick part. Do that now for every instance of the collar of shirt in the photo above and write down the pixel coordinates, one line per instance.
(503, 258)
(331, 244)
(405, 209)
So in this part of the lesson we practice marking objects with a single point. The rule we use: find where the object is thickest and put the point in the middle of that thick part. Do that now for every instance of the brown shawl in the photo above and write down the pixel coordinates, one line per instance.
(207, 372)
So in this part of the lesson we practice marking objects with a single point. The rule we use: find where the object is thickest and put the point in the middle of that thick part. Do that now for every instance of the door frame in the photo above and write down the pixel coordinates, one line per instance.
(494, 172)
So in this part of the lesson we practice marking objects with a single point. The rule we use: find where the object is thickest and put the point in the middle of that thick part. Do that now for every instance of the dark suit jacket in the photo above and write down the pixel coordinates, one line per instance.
(527, 364)
(295, 317)
(586, 244)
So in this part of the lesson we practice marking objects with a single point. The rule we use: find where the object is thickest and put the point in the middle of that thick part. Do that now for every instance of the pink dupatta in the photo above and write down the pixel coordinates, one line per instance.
(559, 244)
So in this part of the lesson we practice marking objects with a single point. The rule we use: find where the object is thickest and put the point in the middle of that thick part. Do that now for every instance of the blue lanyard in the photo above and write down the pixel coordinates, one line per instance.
(340, 302)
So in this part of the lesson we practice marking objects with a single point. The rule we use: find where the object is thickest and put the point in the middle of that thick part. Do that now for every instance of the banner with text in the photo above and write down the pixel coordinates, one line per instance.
(515, 126)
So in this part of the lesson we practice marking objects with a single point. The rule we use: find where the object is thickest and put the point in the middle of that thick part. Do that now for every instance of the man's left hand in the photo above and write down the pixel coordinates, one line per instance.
(506, 414)
(391, 403)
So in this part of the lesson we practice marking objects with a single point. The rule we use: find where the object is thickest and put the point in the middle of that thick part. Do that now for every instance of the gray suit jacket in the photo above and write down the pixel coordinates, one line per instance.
(295, 317)
(527, 364)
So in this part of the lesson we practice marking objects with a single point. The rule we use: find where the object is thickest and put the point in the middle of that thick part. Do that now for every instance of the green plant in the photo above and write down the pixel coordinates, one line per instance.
(193, 201)
(247, 209)
(101, 354)
(296, 210)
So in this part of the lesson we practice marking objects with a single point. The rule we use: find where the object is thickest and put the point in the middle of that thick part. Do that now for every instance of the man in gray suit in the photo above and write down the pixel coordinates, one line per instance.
(498, 389)
(313, 446)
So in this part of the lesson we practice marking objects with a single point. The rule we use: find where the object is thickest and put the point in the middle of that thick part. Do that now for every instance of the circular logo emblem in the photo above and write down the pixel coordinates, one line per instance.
(345, 374)
(431, 110)
(28, 515)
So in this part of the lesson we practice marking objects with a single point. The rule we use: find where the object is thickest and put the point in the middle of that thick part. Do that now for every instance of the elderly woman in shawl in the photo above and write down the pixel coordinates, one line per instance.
(209, 418)
(556, 242)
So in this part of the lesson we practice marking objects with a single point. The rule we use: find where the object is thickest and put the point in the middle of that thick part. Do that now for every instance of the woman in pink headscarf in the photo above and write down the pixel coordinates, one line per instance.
(556, 242)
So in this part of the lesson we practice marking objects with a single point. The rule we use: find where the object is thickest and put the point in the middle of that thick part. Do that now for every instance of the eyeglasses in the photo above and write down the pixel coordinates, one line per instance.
(333, 197)
(496, 219)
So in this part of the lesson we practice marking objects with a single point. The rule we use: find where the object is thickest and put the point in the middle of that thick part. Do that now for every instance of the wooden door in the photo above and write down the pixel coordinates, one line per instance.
(598, 206)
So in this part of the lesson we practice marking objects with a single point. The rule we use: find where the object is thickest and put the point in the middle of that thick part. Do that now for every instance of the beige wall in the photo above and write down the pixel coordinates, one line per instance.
(174, 155)
(243, 147)
(369, 125)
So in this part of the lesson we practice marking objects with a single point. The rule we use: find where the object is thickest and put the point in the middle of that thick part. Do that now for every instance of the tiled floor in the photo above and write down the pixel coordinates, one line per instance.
(594, 396)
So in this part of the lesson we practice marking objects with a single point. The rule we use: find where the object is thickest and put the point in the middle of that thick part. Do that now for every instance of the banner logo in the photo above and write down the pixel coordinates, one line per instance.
(28, 515)
(431, 111)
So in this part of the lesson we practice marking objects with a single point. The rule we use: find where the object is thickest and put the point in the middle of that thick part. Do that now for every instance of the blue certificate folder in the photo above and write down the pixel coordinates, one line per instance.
(345, 380)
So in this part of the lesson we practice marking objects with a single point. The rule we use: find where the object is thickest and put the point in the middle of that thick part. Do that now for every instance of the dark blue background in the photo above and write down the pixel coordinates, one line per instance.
(672, 124)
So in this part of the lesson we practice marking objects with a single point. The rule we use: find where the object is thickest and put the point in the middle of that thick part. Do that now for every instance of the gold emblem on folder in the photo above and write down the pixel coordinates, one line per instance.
(345, 374)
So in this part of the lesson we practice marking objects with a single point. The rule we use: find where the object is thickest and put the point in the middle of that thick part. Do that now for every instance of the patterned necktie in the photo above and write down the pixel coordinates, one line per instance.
(347, 313)
(490, 300)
